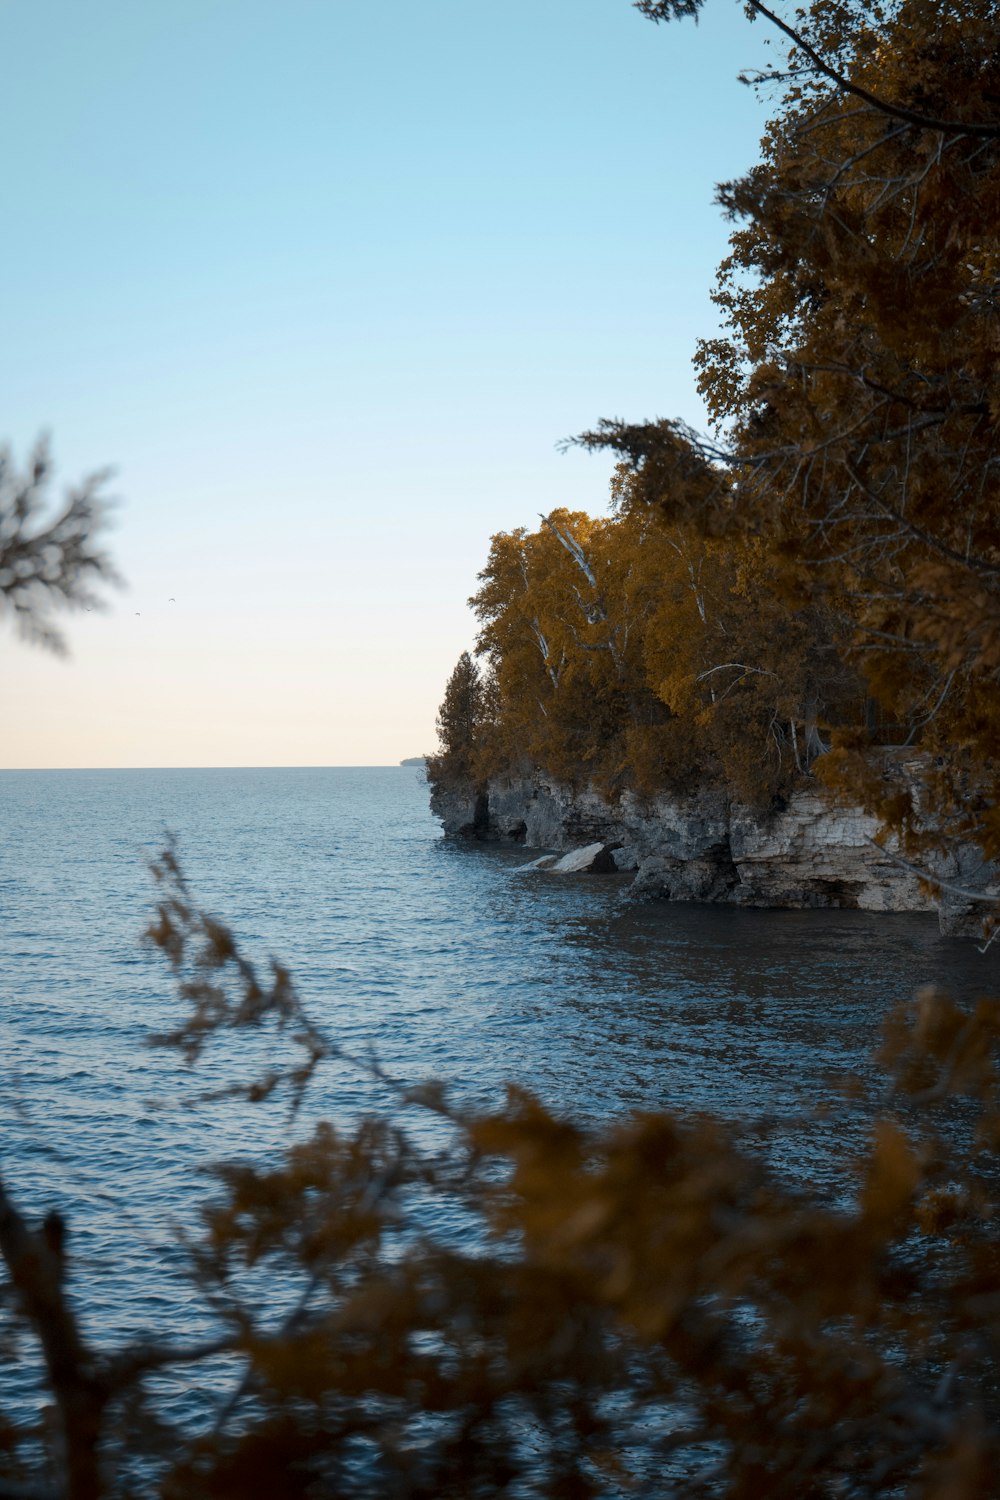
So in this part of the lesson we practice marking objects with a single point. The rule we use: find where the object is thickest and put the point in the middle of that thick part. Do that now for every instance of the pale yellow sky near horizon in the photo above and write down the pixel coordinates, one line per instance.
(268, 656)
(317, 672)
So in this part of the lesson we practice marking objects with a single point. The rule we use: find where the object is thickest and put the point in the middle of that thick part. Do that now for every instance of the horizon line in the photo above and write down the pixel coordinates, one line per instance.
(386, 765)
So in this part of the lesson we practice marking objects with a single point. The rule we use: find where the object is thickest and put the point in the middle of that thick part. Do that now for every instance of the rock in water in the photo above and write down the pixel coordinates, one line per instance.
(592, 859)
(544, 862)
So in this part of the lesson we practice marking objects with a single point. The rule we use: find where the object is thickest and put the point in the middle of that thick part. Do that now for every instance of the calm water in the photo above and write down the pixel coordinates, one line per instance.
(444, 958)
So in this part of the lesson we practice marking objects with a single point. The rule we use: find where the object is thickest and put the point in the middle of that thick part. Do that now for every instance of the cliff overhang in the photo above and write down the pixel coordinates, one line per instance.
(809, 851)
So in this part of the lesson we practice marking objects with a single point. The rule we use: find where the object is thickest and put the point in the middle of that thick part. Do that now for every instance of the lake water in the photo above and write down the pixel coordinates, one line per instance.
(443, 957)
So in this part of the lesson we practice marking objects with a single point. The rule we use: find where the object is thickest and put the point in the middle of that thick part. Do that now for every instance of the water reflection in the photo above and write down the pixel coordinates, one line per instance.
(438, 954)
(750, 1014)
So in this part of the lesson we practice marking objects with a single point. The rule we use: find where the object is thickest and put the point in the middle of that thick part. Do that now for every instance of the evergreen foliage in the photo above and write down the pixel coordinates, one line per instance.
(460, 724)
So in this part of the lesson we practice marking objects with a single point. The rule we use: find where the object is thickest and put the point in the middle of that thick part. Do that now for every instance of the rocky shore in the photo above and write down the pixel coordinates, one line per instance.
(809, 852)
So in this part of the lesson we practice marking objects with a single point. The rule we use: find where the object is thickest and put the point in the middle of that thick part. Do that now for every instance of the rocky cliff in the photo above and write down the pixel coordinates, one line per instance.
(807, 853)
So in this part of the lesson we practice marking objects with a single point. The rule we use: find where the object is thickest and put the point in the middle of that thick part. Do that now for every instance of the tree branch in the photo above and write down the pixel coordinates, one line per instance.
(35, 1262)
(885, 106)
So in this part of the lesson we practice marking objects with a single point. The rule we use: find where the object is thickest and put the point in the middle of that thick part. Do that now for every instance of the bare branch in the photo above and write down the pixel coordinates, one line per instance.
(965, 893)
(566, 539)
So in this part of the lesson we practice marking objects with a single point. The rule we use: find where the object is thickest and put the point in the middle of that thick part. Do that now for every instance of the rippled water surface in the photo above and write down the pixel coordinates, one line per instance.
(445, 958)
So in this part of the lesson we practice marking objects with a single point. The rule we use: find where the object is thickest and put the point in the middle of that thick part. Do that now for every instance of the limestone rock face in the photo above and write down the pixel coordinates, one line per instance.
(816, 854)
(809, 853)
(966, 871)
(463, 809)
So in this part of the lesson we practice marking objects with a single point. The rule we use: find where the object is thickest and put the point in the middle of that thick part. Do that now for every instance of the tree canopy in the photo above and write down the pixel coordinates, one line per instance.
(854, 387)
(629, 652)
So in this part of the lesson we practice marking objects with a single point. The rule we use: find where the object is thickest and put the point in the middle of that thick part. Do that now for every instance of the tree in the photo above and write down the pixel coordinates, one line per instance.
(559, 646)
(51, 564)
(48, 564)
(855, 387)
(634, 654)
(460, 720)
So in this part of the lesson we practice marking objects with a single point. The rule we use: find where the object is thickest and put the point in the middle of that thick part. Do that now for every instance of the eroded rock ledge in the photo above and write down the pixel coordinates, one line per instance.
(808, 853)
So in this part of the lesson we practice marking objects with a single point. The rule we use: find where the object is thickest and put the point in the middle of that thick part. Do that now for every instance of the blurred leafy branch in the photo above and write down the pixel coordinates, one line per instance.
(49, 562)
(634, 1309)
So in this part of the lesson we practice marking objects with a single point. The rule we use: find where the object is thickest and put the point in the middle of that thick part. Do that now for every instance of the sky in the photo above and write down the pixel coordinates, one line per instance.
(326, 283)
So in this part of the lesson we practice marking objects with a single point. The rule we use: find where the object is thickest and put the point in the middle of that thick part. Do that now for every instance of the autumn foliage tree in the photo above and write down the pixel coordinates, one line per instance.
(563, 646)
(630, 653)
(854, 385)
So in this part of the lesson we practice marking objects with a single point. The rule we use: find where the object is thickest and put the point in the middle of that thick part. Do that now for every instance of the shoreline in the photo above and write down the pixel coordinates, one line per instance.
(807, 853)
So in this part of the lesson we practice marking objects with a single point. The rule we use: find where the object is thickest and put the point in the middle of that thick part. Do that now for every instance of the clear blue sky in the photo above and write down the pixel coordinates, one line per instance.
(326, 283)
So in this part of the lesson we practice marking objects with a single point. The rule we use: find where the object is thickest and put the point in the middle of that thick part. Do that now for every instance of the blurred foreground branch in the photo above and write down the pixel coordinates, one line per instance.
(53, 562)
(526, 1306)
